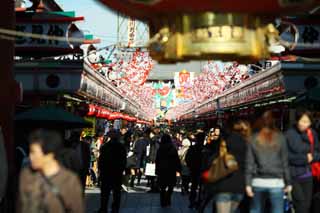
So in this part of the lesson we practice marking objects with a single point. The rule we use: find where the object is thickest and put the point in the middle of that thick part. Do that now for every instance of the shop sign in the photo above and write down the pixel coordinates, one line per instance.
(43, 31)
(259, 90)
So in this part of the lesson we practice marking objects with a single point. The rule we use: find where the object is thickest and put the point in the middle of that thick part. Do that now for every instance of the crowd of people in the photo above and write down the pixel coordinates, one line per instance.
(235, 167)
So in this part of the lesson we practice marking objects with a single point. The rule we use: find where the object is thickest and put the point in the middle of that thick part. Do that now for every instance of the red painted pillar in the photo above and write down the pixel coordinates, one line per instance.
(7, 88)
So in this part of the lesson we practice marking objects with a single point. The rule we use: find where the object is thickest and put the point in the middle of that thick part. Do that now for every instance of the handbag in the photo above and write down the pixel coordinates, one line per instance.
(150, 169)
(224, 165)
(315, 167)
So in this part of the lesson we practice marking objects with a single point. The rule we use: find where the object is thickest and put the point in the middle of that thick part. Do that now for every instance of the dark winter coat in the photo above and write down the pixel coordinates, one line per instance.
(298, 148)
(167, 164)
(140, 151)
(112, 162)
(154, 146)
(193, 159)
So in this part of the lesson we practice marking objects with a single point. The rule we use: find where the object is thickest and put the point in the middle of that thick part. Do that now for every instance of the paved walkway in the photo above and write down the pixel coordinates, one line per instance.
(138, 201)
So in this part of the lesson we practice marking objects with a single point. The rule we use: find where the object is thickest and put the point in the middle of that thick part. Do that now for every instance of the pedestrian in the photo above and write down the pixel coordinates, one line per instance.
(301, 156)
(167, 167)
(185, 172)
(209, 153)
(47, 186)
(193, 161)
(229, 191)
(140, 152)
(152, 155)
(112, 163)
(267, 170)
(85, 154)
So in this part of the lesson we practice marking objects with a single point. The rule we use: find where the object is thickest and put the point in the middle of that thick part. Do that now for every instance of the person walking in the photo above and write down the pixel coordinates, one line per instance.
(46, 186)
(112, 163)
(185, 172)
(140, 153)
(209, 153)
(152, 155)
(193, 161)
(230, 190)
(267, 170)
(167, 166)
(301, 155)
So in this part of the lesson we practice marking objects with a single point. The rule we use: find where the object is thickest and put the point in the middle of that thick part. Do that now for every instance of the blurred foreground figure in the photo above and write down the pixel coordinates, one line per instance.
(46, 186)
(3, 168)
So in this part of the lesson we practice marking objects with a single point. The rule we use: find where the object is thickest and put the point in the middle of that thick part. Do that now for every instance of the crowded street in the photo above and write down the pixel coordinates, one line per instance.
(160, 106)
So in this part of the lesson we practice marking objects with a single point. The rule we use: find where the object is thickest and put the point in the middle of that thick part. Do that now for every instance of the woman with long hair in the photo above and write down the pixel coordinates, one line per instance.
(267, 170)
(301, 154)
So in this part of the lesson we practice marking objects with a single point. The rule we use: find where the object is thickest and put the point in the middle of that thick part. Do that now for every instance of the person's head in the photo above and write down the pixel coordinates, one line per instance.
(242, 127)
(303, 120)
(214, 134)
(166, 139)
(268, 119)
(156, 130)
(140, 134)
(200, 137)
(123, 130)
(113, 135)
(45, 146)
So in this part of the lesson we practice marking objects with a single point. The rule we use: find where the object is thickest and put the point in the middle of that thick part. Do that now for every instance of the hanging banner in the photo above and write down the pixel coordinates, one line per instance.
(183, 82)
(131, 32)
(47, 34)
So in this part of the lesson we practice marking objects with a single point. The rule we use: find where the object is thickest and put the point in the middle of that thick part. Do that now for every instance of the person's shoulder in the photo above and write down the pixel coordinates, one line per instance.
(27, 172)
(290, 131)
(68, 175)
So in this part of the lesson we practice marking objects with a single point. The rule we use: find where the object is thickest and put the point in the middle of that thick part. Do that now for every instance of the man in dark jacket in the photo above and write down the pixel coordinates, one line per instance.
(140, 151)
(167, 166)
(112, 163)
(193, 160)
(151, 158)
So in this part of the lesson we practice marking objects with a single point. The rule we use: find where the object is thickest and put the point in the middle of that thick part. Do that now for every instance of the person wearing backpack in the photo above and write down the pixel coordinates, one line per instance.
(46, 186)
(185, 172)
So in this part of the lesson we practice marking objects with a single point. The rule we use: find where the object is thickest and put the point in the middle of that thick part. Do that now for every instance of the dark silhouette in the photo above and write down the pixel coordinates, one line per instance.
(167, 166)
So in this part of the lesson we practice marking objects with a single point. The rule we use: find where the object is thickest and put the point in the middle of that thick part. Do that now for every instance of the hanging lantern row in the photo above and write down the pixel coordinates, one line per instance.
(127, 69)
(100, 112)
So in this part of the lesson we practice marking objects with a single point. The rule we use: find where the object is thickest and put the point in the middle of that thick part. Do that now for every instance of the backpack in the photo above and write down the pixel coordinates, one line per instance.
(25, 158)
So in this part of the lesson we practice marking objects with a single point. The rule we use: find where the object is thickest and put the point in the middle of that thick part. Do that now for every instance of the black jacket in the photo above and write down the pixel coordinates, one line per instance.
(154, 146)
(234, 183)
(267, 161)
(193, 159)
(167, 164)
(140, 151)
(112, 162)
(298, 148)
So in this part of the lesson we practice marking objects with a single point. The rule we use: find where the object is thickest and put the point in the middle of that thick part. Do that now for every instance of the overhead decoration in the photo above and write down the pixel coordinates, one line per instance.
(236, 30)
(183, 82)
(131, 32)
(127, 69)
